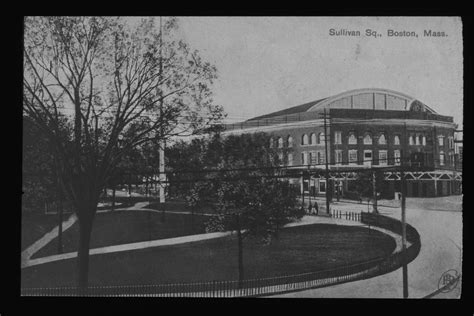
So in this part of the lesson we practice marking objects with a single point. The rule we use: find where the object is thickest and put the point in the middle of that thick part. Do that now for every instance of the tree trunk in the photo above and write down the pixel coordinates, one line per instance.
(277, 230)
(146, 186)
(192, 219)
(129, 187)
(241, 253)
(59, 206)
(113, 198)
(162, 206)
(85, 229)
(60, 224)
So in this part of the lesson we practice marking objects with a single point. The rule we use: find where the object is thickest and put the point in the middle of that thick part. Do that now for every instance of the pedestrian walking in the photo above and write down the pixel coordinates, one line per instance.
(315, 206)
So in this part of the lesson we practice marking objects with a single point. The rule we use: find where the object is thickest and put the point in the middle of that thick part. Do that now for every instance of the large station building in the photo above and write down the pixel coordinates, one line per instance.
(366, 128)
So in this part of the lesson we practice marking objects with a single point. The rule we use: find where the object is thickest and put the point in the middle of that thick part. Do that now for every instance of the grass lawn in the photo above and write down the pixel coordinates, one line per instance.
(121, 227)
(299, 249)
(125, 201)
(180, 206)
(34, 226)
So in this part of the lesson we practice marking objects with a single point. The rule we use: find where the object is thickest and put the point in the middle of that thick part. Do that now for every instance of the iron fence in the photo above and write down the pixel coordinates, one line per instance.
(351, 216)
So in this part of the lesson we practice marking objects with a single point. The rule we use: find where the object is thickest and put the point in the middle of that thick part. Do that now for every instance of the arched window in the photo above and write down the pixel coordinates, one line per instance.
(321, 138)
(450, 159)
(423, 140)
(304, 139)
(290, 141)
(382, 139)
(337, 137)
(352, 139)
(417, 140)
(441, 158)
(280, 159)
(396, 140)
(290, 159)
(441, 140)
(304, 158)
(280, 142)
(410, 140)
(367, 139)
(313, 138)
(271, 142)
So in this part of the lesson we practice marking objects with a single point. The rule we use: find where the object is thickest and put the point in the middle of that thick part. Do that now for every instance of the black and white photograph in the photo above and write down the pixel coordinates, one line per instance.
(242, 157)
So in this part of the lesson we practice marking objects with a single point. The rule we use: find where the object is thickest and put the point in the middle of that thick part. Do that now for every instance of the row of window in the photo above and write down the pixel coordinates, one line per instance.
(319, 157)
(450, 141)
(413, 140)
(442, 158)
(421, 140)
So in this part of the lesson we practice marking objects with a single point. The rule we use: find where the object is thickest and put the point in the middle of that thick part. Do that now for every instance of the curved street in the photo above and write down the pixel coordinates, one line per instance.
(439, 222)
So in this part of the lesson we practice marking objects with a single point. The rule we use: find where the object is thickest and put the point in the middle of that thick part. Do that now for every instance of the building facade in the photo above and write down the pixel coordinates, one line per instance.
(366, 128)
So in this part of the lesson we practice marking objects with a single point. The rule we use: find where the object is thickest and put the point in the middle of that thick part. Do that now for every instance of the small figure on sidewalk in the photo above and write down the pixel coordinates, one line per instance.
(315, 208)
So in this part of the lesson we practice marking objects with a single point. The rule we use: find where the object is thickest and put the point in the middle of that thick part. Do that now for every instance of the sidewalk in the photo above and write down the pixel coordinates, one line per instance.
(131, 246)
(46, 239)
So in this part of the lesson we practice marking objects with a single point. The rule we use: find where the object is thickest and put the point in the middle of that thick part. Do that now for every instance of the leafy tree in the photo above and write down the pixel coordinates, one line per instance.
(41, 182)
(182, 160)
(109, 79)
(363, 184)
(243, 185)
(37, 169)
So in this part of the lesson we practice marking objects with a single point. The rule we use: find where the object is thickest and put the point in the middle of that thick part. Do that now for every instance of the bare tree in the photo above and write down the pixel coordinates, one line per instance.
(101, 86)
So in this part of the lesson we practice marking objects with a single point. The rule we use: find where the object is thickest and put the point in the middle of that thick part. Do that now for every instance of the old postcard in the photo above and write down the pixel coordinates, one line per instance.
(289, 157)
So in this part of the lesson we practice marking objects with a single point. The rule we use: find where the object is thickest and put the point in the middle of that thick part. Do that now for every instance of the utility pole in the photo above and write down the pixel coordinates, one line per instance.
(240, 254)
(326, 162)
(302, 188)
(403, 204)
(374, 191)
(161, 153)
(456, 156)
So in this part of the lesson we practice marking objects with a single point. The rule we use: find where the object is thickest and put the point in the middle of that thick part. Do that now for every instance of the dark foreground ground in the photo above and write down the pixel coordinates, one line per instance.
(299, 249)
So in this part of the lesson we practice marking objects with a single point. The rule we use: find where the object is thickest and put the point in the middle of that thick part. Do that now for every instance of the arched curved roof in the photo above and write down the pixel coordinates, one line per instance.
(332, 102)
(367, 98)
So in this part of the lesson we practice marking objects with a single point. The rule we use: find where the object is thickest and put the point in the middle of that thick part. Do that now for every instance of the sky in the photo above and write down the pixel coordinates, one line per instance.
(266, 64)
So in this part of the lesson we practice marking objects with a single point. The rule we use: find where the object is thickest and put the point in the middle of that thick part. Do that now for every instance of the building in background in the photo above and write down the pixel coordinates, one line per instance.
(366, 128)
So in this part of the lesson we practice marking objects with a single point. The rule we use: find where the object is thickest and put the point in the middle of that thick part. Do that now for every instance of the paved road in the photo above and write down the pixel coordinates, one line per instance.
(439, 222)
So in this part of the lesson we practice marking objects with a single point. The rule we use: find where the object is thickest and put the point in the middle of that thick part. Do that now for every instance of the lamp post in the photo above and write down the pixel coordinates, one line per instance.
(403, 207)
(326, 158)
